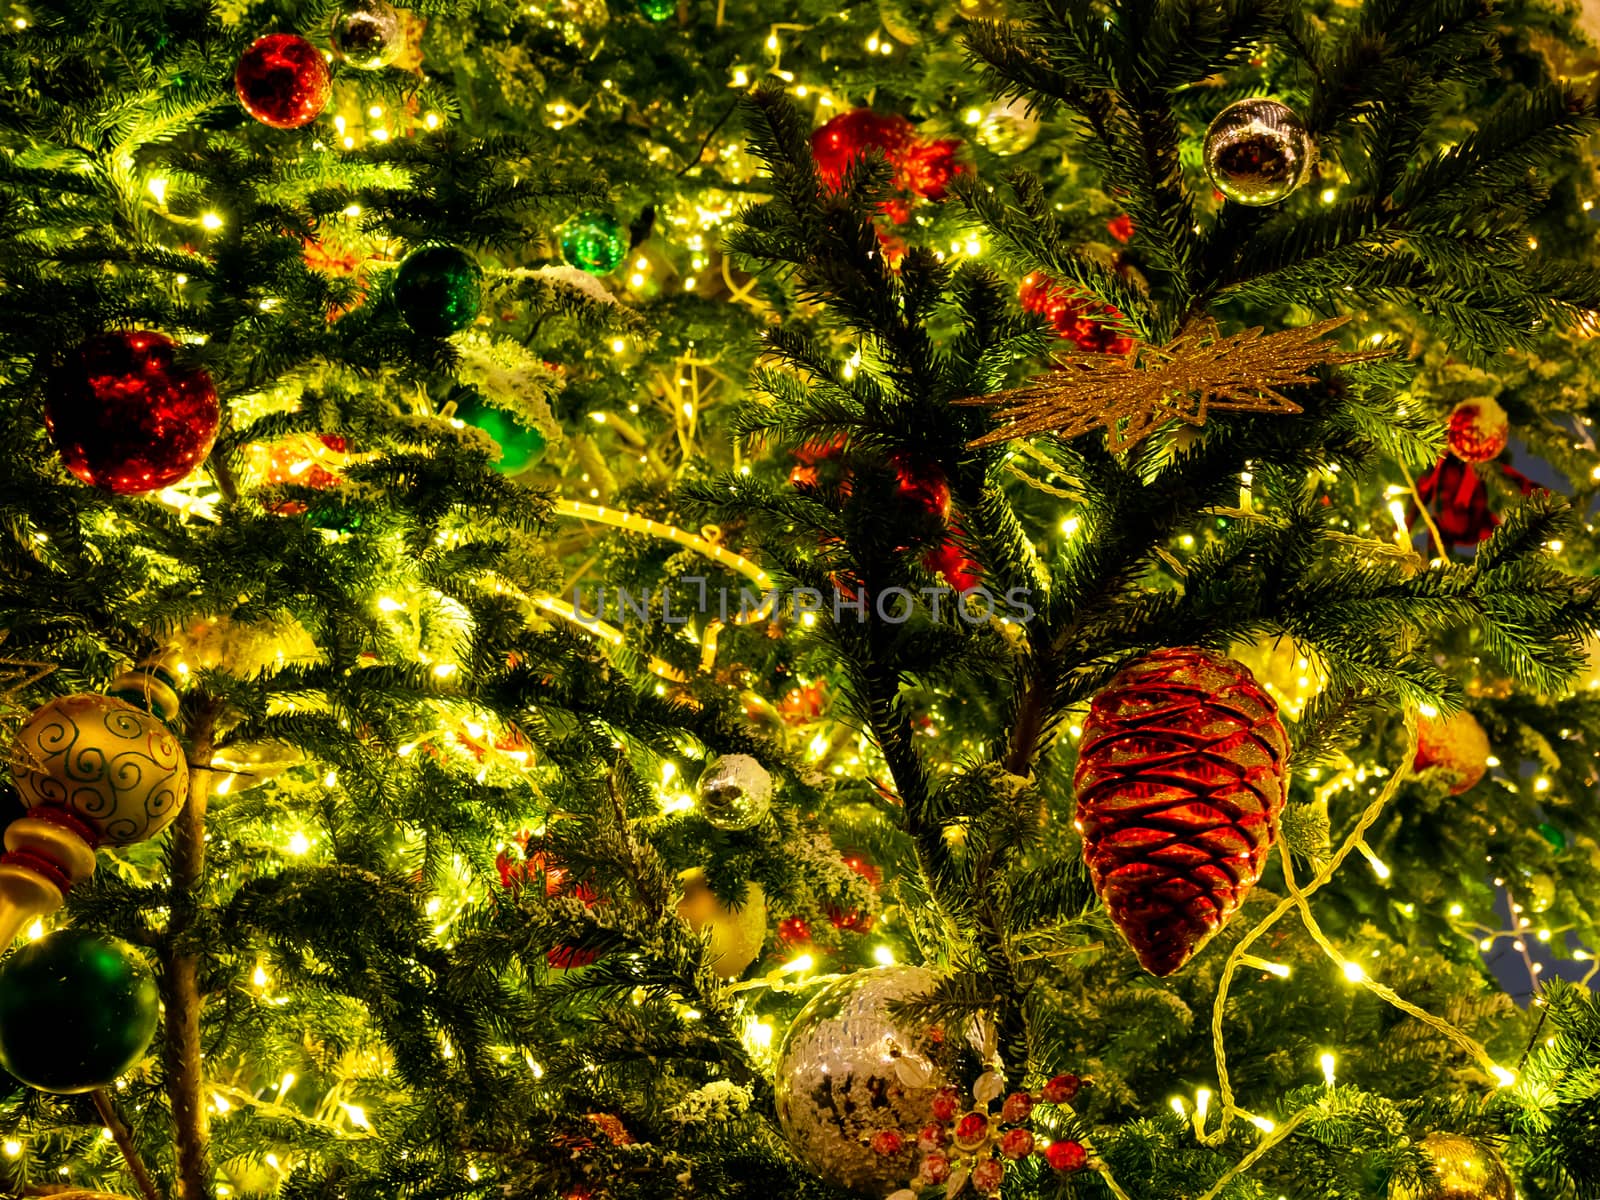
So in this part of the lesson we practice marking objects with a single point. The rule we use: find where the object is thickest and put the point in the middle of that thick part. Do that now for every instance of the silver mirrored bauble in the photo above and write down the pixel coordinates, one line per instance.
(1258, 151)
(848, 1068)
(1008, 127)
(368, 34)
(735, 792)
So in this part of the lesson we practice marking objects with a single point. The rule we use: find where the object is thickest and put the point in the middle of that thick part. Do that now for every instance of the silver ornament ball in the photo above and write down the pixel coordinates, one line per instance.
(735, 792)
(1258, 151)
(368, 34)
(1008, 127)
(848, 1068)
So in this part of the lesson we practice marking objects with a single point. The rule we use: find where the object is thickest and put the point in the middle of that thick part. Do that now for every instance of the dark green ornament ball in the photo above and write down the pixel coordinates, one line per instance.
(1553, 835)
(594, 242)
(520, 446)
(76, 1011)
(438, 290)
(658, 10)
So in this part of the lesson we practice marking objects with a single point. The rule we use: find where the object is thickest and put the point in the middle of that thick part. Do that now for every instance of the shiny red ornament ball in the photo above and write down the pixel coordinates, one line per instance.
(854, 134)
(943, 1105)
(125, 417)
(1182, 774)
(283, 81)
(1457, 745)
(1063, 1089)
(930, 1137)
(1066, 1156)
(1479, 430)
(935, 1167)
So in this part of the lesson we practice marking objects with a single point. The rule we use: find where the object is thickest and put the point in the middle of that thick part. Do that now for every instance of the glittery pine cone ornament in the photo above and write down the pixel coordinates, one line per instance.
(1182, 774)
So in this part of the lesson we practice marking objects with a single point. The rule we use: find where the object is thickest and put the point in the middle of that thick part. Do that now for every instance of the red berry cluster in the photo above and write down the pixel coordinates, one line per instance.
(922, 166)
(1079, 319)
(976, 1145)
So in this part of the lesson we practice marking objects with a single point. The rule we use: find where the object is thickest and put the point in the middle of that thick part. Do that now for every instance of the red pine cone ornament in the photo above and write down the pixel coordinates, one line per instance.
(1182, 774)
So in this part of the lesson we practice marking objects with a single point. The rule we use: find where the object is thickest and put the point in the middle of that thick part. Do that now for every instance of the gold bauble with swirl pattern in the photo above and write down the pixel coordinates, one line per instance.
(103, 760)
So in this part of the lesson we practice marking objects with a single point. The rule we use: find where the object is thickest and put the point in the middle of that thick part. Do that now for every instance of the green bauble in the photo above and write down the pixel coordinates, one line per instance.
(658, 10)
(520, 447)
(1553, 835)
(76, 1011)
(595, 242)
(438, 290)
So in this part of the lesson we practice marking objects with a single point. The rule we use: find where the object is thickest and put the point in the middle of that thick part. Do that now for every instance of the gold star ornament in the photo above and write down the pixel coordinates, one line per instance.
(1196, 373)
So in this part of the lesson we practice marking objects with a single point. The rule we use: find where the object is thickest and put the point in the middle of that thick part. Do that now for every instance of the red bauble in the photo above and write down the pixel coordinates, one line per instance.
(1121, 228)
(514, 872)
(1016, 1108)
(1016, 1143)
(1479, 430)
(283, 81)
(852, 135)
(1455, 744)
(921, 483)
(1181, 776)
(960, 571)
(1077, 318)
(127, 419)
(944, 1104)
(926, 168)
(1065, 1156)
(987, 1176)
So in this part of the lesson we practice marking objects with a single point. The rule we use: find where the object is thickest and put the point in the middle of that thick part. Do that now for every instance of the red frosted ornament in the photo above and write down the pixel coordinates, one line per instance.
(987, 1176)
(283, 81)
(125, 417)
(935, 1167)
(888, 1142)
(514, 872)
(1062, 1089)
(1455, 744)
(925, 168)
(1016, 1143)
(1182, 774)
(944, 1104)
(1077, 318)
(931, 1137)
(1066, 1156)
(1479, 430)
(1016, 1108)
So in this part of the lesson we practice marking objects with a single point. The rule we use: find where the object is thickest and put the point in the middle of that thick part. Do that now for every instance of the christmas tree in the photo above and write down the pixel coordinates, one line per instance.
(912, 600)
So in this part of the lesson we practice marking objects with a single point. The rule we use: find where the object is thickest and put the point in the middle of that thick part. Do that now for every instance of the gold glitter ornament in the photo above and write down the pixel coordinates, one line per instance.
(736, 934)
(1463, 1170)
(1258, 152)
(1198, 372)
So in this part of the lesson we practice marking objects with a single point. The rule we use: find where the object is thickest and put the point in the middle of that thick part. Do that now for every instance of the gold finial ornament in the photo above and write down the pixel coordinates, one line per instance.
(1200, 371)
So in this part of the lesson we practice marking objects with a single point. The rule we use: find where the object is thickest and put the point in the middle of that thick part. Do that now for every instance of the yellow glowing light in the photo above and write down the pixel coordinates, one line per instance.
(260, 976)
(1329, 195)
(299, 843)
(357, 1115)
(1379, 867)
(35, 931)
(883, 955)
(472, 1173)
(158, 189)
(758, 1034)
(220, 1102)
(1502, 1076)
(1353, 972)
(772, 41)
(1428, 711)
(618, 345)
(272, 1161)
(211, 221)
(12, 1148)
(974, 115)
(331, 779)
(1328, 1063)
(741, 78)
(1202, 1101)
(1178, 1106)
(636, 280)
(1456, 910)
(796, 966)
(1070, 525)
(1263, 1124)
(1541, 784)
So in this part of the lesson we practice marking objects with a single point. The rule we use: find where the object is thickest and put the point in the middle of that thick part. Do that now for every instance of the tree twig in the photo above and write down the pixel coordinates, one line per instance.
(124, 1139)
